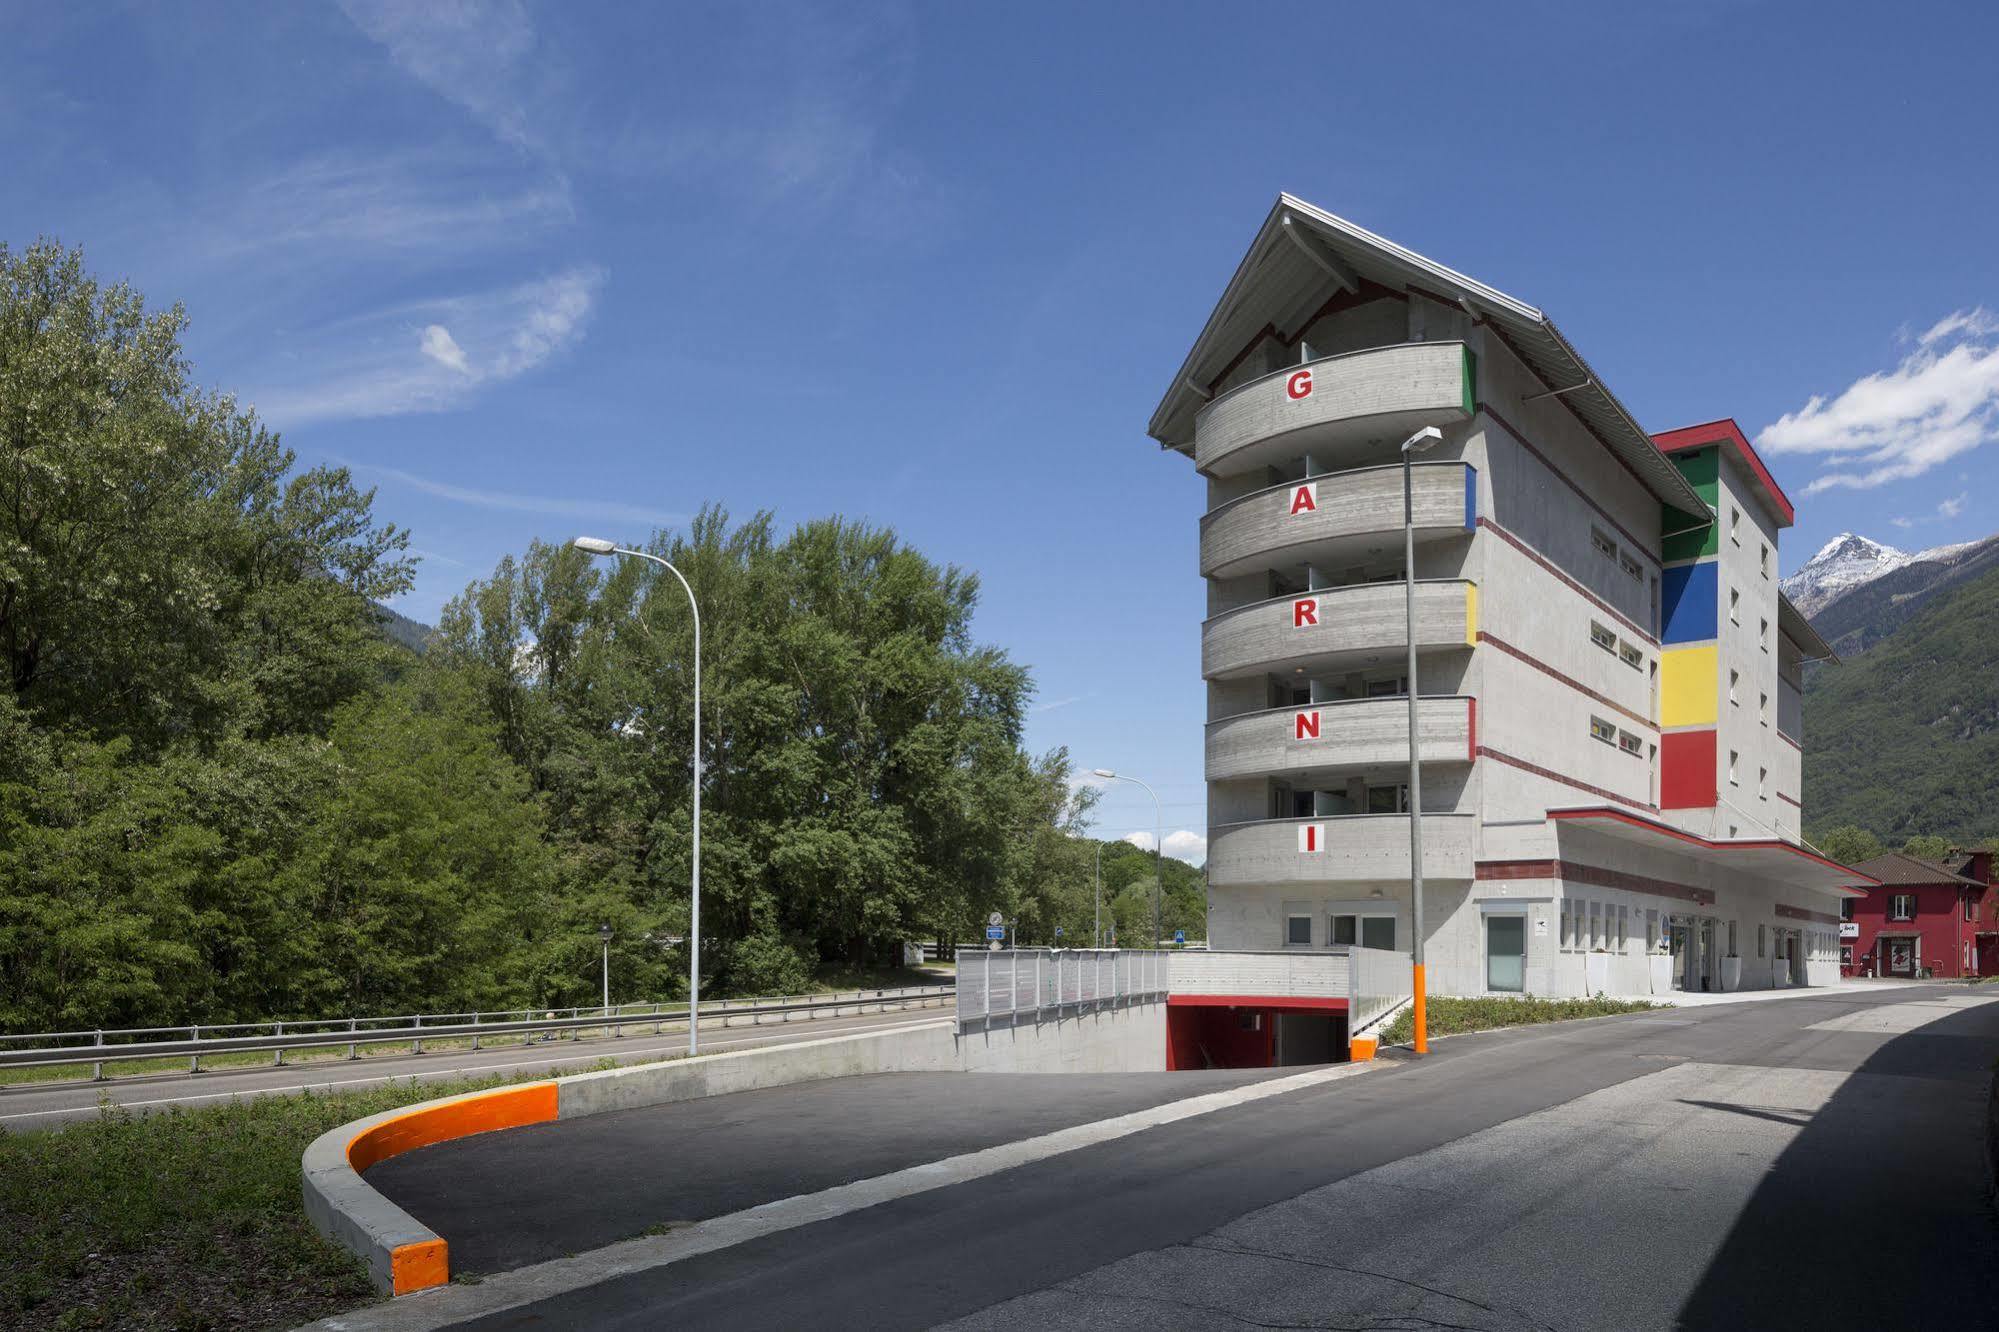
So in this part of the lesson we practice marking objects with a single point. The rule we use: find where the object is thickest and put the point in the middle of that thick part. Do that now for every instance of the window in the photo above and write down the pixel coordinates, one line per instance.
(1735, 524)
(1763, 561)
(1596, 925)
(1762, 776)
(1623, 927)
(1377, 932)
(1394, 688)
(1602, 637)
(1604, 545)
(1631, 655)
(1733, 780)
(1761, 932)
(1298, 930)
(1345, 930)
(1630, 566)
(1600, 729)
(1846, 955)
(1846, 908)
(1630, 743)
(1734, 605)
(1388, 799)
(1731, 941)
(1763, 636)
(1734, 677)
(1902, 906)
(1763, 708)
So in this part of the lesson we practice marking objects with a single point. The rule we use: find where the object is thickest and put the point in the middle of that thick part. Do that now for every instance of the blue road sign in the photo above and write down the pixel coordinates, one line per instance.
(1179, 936)
(996, 931)
(1058, 931)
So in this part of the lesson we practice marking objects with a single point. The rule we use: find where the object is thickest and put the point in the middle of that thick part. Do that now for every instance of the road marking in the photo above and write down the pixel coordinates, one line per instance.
(825, 1028)
(526, 1285)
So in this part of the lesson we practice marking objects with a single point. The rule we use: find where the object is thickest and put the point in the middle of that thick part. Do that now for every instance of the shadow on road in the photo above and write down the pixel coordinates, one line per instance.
(1876, 1216)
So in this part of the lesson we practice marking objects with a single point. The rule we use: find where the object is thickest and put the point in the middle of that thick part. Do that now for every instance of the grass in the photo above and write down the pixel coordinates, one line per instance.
(1452, 1017)
(188, 1219)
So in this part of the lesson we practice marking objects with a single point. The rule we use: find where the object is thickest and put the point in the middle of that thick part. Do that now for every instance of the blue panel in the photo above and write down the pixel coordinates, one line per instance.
(1690, 594)
(1471, 497)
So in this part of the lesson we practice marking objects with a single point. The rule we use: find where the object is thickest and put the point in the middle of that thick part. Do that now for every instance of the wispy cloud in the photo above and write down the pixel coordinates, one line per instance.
(1054, 703)
(1953, 506)
(1181, 844)
(472, 52)
(430, 356)
(607, 510)
(1942, 400)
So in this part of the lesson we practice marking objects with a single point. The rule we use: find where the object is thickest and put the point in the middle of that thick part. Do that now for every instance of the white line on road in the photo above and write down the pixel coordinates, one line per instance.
(508, 1290)
(824, 1025)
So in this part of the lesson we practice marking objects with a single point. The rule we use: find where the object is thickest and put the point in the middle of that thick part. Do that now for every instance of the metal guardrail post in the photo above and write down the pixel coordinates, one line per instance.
(416, 1046)
(194, 1060)
(278, 1055)
(353, 1050)
(97, 1069)
(475, 1035)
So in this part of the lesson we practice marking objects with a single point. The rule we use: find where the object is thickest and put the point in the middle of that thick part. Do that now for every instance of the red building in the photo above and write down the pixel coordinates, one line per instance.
(1927, 917)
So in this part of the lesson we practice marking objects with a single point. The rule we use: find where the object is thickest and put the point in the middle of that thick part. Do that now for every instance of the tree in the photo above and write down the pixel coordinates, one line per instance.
(1926, 846)
(1848, 845)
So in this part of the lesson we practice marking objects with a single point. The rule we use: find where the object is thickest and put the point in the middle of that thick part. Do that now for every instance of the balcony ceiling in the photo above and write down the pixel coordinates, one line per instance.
(1303, 255)
(1768, 858)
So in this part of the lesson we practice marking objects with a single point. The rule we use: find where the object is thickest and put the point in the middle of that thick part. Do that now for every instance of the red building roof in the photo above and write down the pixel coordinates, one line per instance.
(1729, 436)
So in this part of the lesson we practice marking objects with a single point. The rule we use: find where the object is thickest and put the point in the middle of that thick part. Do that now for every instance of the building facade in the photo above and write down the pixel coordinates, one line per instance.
(1608, 711)
(1925, 918)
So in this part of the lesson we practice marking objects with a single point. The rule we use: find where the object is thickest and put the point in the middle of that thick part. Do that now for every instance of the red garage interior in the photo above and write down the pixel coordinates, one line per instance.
(1253, 1031)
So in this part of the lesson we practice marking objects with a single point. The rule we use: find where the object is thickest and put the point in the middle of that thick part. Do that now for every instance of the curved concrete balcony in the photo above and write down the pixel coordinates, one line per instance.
(1347, 847)
(1355, 733)
(1335, 627)
(1337, 517)
(1358, 400)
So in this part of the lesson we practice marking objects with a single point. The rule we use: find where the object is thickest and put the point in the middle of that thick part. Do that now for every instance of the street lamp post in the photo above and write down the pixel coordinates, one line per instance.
(604, 937)
(1098, 937)
(1415, 444)
(599, 546)
(1158, 843)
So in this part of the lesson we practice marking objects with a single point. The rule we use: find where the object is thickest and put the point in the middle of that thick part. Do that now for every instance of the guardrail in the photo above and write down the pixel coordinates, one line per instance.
(414, 1029)
(1051, 982)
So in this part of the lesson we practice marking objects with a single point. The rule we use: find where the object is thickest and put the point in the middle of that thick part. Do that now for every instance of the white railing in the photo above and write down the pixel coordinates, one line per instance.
(1044, 982)
(1381, 980)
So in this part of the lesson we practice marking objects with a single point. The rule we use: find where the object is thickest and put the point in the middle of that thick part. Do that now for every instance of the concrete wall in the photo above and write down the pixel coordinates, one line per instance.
(1350, 620)
(1345, 504)
(1353, 733)
(1129, 1039)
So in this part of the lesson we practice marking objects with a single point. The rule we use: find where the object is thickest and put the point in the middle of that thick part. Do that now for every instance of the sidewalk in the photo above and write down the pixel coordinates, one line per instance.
(1700, 999)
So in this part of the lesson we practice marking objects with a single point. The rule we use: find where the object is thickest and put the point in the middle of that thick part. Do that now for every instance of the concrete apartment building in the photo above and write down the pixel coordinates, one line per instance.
(1608, 674)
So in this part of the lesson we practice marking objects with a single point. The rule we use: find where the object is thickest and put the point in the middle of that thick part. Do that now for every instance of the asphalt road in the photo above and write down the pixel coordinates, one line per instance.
(36, 1105)
(1815, 1162)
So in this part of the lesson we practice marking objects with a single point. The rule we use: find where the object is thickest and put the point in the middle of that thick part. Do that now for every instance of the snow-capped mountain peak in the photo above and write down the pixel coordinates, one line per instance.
(1844, 563)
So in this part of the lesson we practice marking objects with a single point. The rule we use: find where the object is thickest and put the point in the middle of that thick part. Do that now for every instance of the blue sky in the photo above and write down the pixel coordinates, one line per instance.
(532, 270)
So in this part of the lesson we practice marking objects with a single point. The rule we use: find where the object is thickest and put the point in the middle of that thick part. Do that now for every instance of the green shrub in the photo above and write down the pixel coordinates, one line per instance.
(1450, 1017)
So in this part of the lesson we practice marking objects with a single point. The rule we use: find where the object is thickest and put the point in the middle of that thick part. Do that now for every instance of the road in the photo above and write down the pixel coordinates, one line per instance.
(47, 1105)
(1816, 1162)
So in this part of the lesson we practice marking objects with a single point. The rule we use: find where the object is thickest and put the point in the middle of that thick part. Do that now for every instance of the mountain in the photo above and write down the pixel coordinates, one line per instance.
(1865, 614)
(399, 628)
(1843, 564)
(1903, 738)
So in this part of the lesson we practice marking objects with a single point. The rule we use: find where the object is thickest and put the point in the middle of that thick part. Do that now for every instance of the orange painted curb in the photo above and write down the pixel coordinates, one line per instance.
(1360, 1049)
(506, 1107)
(419, 1266)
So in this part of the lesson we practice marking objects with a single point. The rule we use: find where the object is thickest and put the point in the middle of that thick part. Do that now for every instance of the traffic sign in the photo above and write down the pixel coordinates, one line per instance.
(996, 931)
(1058, 931)
(1179, 936)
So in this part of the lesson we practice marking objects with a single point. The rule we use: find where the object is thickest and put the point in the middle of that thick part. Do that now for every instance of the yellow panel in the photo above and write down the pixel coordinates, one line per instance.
(1471, 614)
(1690, 686)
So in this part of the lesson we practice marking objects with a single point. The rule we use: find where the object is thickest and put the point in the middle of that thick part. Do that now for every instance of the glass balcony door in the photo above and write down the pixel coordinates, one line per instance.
(1506, 954)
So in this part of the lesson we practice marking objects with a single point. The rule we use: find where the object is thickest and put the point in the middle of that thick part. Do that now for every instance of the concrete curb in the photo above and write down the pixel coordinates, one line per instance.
(404, 1255)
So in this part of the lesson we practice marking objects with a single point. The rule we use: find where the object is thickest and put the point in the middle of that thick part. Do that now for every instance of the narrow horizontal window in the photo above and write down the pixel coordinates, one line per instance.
(1602, 637)
(1630, 743)
(1602, 730)
(1630, 567)
(1632, 656)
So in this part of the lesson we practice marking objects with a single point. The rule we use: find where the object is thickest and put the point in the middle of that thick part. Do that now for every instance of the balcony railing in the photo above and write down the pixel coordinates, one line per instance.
(1359, 400)
(1335, 625)
(1349, 847)
(1335, 517)
(1352, 733)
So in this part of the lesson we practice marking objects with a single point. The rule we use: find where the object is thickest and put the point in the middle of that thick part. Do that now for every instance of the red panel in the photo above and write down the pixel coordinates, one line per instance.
(1725, 431)
(1686, 770)
(1199, 1036)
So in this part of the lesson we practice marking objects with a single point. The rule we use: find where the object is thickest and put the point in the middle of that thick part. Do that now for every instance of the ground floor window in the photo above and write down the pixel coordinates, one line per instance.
(1846, 955)
(1367, 931)
(1298, 930)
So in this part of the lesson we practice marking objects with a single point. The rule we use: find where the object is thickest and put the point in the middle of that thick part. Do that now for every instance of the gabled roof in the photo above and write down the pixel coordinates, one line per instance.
(1303, 255)
(1730, 438)
(1899, 869)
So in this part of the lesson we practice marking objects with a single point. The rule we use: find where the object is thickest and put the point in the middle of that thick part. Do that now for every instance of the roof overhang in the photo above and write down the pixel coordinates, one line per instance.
(1792, 624)
(1729, 437)
(1304, 255)
(1770, 858)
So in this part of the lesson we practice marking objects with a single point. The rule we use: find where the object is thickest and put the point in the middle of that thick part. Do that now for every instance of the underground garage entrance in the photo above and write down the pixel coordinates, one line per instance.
(1226, 1031)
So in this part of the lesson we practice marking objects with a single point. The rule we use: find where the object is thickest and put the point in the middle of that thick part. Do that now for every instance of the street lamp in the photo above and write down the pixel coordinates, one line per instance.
(1415, 444)
(1097, 940)
(599, 546)
(1158, 843)
(604, 937)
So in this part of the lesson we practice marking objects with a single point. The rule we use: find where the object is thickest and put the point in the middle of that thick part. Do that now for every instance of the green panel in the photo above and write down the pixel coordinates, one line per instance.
(1692, 544)
(1471, 381)
(1702, 469)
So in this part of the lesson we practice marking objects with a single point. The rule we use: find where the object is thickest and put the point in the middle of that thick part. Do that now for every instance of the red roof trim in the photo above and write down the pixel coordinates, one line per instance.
(1725, 431)
(1755, 844)
(1256, 1001)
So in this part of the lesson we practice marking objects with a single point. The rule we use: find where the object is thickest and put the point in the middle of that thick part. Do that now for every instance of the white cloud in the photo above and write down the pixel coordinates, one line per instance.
(1942, 400)
(1953, 506)
(1054, 703)
(1181, 844)
(1903, 522)
(608, 510)
(431, 355)
(440, 346)
(471, 52)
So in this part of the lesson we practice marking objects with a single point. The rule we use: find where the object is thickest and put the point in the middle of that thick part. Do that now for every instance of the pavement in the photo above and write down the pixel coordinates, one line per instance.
(1815, 1164)
(37, 1105)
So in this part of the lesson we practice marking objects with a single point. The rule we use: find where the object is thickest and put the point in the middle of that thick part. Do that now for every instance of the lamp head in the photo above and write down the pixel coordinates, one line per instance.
(595, 545)
(1422, 439)
(1104, 773)
(604, 933)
